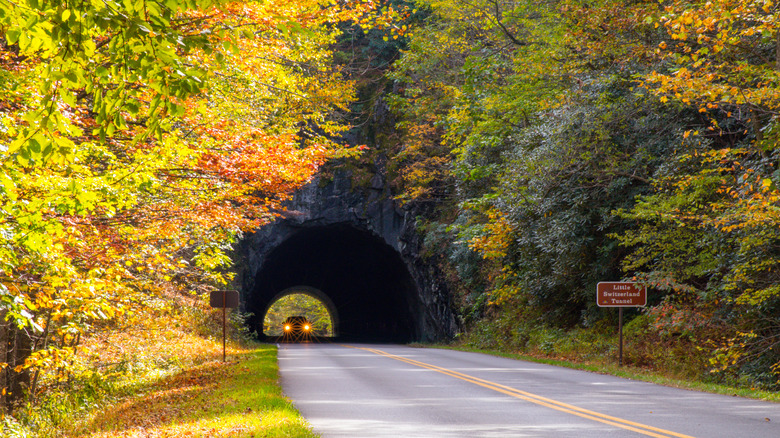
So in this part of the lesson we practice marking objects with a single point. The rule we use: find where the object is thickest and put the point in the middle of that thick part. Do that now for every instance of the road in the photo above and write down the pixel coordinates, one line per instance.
(398, 391)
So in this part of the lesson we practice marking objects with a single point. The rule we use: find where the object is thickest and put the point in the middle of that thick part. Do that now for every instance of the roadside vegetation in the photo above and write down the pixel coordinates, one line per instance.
(166, 382)
(139, 140)
(597, 352)
(547, 146)
(239, 398)
(608, 365)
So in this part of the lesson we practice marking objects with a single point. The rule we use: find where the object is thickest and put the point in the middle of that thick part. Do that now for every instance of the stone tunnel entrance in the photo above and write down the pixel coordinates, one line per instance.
(365, 280)
(358, 249)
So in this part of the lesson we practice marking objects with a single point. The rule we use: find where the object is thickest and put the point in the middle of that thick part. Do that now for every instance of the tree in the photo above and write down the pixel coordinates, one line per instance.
(722, 55)
(139, 139)
(706, 235)
(475, 75)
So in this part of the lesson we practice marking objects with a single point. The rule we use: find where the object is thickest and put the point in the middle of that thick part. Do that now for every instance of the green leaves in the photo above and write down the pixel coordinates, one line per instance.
(585, 141)
(12, 36)
(135, 136)
(17, 309)
(107, 54)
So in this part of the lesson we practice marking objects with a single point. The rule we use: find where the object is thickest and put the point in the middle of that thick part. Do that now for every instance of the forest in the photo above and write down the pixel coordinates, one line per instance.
(544, 146)
(549, 146)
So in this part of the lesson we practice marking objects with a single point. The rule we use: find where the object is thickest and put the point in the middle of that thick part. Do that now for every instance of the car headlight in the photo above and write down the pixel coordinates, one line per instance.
(287, 328)
(306, 327)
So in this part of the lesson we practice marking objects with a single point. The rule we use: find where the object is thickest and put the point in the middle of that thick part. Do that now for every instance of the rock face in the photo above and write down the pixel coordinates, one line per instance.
(360, 251)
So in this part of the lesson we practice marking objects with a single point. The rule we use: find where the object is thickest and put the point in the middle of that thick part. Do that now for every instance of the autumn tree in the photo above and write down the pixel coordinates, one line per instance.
(578, 141)
(474, 73)
(708, 232)
(703, 234)
(538, 142)
(140, 138)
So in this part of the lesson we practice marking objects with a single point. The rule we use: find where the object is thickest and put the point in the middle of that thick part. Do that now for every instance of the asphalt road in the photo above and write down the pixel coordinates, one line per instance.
(397, 391)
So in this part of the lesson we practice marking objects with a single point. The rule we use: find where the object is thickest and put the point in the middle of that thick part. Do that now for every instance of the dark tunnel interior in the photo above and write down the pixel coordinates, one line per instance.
(365, 278)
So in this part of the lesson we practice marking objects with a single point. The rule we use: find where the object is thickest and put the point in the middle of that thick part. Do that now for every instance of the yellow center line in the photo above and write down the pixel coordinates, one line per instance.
(539, 400)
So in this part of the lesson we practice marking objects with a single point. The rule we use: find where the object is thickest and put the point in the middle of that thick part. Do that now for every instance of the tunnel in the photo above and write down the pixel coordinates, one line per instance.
(364, 280)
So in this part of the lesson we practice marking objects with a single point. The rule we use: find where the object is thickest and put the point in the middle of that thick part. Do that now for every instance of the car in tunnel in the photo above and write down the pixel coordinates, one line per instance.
(296, 329)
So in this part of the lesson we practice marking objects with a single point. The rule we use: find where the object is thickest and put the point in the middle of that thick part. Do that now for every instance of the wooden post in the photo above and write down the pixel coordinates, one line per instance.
(620, 294)
(620, 330)
(224, 299)
(224, 323)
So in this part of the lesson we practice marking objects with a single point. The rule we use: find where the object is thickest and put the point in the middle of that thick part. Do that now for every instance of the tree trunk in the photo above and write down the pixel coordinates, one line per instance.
(777, 51)
(15, 347)
(3, 356)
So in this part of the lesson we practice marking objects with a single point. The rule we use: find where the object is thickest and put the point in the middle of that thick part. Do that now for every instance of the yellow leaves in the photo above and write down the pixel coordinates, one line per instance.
(50, 359)
(99, 234)
(505, 290)
(711, 36)
(496, 237)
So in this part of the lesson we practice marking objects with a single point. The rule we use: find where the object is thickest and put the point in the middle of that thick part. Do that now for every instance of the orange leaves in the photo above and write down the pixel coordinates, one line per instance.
(593, 28)
(252, 149)
(166, 132)
(713, 48)
(423, 161)
(241, 165)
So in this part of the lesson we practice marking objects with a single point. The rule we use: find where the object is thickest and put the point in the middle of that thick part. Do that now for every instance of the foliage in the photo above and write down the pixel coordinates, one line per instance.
(139, 139)
(562, 181)
(238, 398)
(113, 365)
(572, 142)
(502, 332)
(473, 76)
(722, 55)
(708, 233)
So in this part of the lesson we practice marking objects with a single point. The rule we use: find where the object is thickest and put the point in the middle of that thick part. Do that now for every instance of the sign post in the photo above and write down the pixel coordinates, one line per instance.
(224, 299)
(620, 294)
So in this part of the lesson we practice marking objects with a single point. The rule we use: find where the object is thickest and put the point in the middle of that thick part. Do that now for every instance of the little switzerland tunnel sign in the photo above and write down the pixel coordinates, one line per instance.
(621, 294)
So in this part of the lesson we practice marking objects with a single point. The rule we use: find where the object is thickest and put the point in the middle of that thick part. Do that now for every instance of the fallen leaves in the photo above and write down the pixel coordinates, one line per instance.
(239, 398)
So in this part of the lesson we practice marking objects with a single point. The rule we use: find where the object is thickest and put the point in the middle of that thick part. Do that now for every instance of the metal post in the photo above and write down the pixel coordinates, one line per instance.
(620, 330)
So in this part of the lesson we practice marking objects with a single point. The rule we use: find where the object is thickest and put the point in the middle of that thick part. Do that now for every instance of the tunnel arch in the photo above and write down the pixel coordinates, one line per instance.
(365, 279)
(314, 293)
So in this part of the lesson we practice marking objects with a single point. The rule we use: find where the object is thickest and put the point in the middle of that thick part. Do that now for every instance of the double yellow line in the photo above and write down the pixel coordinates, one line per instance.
(539, 400)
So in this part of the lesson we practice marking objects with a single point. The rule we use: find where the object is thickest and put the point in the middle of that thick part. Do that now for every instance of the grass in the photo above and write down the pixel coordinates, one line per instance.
(238, 398)
(150, 380)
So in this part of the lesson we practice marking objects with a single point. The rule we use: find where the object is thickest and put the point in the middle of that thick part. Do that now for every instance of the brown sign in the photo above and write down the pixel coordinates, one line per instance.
(621, 294)
(224, 298)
